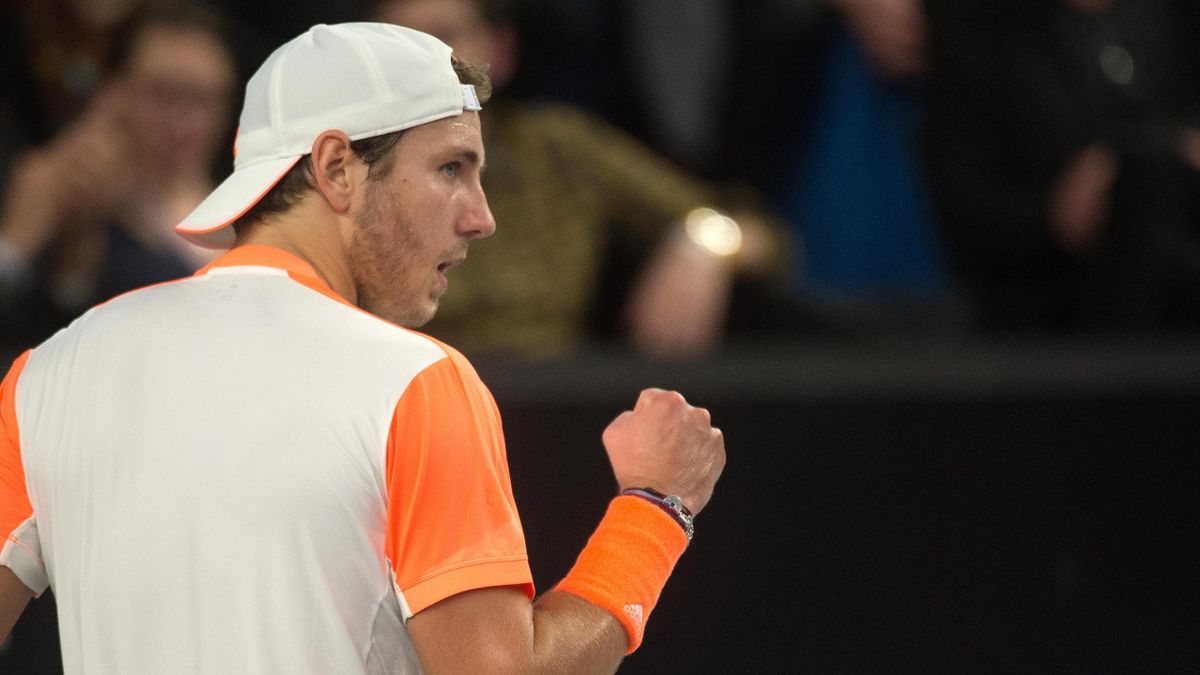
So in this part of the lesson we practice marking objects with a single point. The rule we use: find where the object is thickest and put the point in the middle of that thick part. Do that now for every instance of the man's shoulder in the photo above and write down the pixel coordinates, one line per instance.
(252, 312)
(451, 356)
(127, 308)
(220, 331)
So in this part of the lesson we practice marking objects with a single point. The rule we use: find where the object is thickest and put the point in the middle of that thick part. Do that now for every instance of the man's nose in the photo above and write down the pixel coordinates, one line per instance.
(478, 221)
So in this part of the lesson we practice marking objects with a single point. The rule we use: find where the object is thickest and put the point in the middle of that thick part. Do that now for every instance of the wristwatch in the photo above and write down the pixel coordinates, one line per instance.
(671, 504)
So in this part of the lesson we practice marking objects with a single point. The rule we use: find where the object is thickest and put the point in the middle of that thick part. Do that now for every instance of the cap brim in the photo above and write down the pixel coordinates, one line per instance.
(208, 224)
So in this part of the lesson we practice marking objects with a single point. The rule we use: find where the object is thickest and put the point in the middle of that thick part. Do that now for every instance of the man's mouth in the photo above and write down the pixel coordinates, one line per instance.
(444, 267)
(450, 263)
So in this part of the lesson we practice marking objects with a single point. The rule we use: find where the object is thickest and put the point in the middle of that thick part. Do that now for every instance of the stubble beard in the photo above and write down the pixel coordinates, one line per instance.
(382, 243)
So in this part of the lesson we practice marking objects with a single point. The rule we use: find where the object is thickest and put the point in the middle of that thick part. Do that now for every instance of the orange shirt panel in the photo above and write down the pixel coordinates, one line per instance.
(452, 519)
(14, 496)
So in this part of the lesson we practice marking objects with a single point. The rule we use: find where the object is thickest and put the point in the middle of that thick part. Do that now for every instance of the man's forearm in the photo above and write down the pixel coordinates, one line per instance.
(586, 624)
(666, 457)
(571, 635)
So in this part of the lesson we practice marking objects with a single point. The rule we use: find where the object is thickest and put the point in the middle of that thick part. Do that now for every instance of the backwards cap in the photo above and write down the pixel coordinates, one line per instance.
(366, 79)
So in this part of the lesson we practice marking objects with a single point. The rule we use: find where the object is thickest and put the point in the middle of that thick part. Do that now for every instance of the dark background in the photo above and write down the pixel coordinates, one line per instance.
(887, 507)
(1000, 507)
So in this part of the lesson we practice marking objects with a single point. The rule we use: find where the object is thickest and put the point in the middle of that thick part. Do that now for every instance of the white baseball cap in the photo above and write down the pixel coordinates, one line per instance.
(366, 79)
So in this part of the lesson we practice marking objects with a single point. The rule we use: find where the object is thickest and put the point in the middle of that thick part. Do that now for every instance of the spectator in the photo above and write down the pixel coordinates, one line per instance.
(256, 28)
(858, 198)
(566, 188)
(55, 61)
(677, 54)
(843, 163)
(82, 220)
(1061, 149)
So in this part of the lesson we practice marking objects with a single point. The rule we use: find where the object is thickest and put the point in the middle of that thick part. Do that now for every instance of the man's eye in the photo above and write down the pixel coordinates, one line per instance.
(450, 169)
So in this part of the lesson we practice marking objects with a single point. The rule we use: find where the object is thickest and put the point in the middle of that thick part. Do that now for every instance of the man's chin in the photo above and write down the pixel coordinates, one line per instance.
(408, 317)
(419, 319)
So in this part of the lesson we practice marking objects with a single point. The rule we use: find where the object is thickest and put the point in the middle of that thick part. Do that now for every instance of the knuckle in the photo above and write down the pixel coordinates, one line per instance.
(675, 399)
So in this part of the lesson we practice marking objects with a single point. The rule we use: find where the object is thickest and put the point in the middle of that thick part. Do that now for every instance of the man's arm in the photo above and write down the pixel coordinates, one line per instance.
(497, 630)
(14, 596)
(663, 444)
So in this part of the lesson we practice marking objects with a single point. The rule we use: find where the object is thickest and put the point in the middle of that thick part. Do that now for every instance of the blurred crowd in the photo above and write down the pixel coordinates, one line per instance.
(671, 177)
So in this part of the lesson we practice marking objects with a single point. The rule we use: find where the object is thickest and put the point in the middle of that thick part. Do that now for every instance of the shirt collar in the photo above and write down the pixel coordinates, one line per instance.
(260, 255)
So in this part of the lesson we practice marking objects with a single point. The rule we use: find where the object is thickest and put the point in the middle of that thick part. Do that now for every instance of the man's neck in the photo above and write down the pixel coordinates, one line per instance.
(316, 242)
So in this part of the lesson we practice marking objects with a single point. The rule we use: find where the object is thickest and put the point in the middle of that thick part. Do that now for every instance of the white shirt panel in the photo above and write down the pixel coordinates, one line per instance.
(216, 446)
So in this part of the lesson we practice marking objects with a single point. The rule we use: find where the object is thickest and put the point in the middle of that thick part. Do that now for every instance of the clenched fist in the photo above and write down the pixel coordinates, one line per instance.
(666, 445)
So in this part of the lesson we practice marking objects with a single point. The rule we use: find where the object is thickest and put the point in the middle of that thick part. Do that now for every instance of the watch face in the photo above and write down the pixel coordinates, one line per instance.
(677, 504)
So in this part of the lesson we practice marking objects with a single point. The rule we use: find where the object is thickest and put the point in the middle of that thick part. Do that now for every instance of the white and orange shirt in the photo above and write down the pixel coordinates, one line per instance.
(240, 472)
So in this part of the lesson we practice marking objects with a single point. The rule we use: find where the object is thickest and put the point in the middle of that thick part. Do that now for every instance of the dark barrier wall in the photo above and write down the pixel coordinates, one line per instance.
(893, 508)
(988, 509)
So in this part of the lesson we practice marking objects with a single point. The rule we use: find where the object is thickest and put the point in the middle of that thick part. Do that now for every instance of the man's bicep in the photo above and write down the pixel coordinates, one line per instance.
(14, 596)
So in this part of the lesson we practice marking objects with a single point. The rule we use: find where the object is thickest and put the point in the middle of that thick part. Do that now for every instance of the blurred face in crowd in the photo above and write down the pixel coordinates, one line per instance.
(102, 13)
(462, 25)
(458, 23)
(180, 85)
(418, 218)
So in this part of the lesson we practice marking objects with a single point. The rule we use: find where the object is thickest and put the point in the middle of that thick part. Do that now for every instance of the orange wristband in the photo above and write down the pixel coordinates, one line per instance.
(627, 562)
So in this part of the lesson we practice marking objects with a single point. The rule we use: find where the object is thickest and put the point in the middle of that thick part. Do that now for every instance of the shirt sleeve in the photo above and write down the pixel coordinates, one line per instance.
(452, 522)
(642, 193)
(20, 550)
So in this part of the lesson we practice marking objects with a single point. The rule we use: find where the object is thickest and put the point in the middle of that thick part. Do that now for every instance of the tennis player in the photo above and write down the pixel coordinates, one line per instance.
(262, 468)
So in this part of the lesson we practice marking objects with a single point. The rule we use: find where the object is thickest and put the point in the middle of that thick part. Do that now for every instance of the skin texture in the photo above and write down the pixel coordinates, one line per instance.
(379, 242)
(497, 630)
(669, 445)
(404, 233)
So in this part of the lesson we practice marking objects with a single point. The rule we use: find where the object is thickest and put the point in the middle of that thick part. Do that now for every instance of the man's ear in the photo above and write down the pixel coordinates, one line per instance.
(336, 169)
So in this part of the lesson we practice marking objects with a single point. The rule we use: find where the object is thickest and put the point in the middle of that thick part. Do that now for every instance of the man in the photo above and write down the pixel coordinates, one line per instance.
(567, 188)
(257, 469)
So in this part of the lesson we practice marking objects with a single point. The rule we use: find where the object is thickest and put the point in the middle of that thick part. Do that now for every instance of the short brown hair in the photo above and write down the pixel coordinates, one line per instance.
(375, 152)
